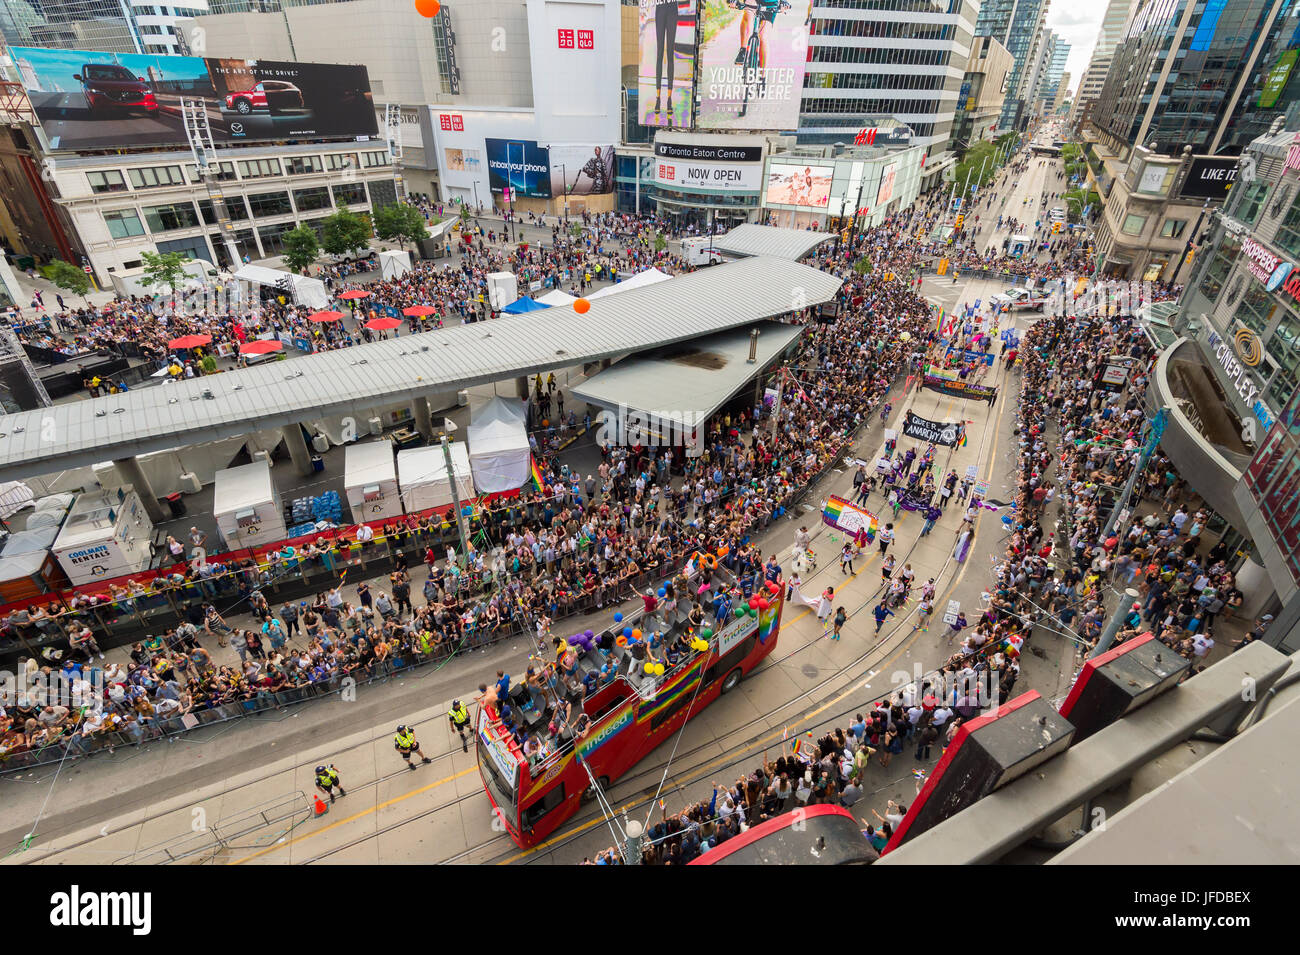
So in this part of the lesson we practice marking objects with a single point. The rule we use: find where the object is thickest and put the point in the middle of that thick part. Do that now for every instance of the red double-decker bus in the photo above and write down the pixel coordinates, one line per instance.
(629, 716)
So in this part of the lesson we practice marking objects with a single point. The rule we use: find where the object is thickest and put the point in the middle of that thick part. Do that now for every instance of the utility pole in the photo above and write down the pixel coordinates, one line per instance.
(776, 406)
(1126, 605)
(463, 556)
(1153, 430)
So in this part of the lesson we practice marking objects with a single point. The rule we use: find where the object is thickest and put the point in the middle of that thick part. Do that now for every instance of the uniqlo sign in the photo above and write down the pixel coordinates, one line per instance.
(452, 122)
(576, 39)
(667, 172)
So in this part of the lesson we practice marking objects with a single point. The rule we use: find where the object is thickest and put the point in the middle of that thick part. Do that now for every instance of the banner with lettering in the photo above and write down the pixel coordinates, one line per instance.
(946, 433)
(959, 389)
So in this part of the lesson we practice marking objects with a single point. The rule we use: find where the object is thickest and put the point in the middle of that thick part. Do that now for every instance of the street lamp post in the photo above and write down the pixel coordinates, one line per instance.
(564, 184)
(463, 556)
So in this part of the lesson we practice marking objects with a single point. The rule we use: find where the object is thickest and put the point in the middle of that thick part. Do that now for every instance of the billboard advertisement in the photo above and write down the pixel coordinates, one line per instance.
(1210, 177)
(88, 100)
(886, 191)
(719, 177)
(666, 70)
(581, 170)
(808, 186)
(520, 164)
(752, 63)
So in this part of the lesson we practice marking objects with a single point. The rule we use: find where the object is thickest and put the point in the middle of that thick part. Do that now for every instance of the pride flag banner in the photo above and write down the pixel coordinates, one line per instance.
(536, 474)
(852, 520)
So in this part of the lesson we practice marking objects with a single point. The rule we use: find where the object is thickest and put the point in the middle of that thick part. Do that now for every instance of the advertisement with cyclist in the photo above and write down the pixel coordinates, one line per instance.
(89, 100)
(666, 74)
(752, 63)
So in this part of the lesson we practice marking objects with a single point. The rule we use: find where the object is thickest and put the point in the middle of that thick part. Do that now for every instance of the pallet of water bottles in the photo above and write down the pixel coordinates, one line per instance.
(310, 510)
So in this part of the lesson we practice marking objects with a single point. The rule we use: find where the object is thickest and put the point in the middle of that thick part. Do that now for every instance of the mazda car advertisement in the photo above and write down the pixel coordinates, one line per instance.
(89, 100)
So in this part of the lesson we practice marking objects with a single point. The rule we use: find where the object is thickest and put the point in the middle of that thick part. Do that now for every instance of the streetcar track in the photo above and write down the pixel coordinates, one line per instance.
(648, 771)
(584, 815)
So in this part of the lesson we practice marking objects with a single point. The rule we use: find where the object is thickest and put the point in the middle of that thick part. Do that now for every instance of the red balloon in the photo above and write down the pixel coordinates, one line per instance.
(753, 603)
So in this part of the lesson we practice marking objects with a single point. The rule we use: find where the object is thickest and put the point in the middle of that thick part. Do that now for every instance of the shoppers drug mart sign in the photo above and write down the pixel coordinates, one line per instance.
(1262, 263)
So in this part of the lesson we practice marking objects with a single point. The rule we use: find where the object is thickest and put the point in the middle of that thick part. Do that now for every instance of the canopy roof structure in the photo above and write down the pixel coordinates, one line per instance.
(350, 380)
(752, 239)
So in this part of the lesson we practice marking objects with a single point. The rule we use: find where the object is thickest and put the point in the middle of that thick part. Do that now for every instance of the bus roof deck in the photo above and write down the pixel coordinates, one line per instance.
(599, 672)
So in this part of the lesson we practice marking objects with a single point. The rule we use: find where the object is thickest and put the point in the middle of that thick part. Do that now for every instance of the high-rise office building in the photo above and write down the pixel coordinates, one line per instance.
(1056, 52)
(899, 59)
(1210, 75)
(1113, 25)
(110, 26)
(1017, 25)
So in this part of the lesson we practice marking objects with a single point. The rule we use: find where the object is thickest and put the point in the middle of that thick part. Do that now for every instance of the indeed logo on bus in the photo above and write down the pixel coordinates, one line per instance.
(603, 735)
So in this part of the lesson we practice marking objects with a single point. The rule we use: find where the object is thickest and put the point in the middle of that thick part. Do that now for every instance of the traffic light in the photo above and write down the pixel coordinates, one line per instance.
(1056, 228)
(960, 220)
(943, 267)
(1191, 253)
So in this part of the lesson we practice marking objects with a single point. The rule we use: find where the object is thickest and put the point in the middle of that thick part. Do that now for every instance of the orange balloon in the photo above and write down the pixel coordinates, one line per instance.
(427, 8)
(580, 305)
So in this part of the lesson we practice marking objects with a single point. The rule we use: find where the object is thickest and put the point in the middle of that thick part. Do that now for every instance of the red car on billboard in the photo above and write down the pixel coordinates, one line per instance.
(274, 96)
(109, 87)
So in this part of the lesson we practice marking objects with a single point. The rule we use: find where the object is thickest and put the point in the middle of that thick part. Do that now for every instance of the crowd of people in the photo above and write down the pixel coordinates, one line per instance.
(1153, 540)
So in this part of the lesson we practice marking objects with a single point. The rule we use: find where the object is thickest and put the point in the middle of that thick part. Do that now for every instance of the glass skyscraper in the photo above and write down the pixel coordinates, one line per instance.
(1210, 74)
(1017, 25)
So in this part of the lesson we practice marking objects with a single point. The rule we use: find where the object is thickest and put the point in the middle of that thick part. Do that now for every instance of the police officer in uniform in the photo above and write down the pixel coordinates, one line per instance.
(405, 743)
(327, 780)
(459, 718)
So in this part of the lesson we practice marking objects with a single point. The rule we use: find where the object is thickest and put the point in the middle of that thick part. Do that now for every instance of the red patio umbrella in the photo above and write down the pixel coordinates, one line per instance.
(383, 324)
(327, 316)
(354, 293)
(261, 346)
(419, 311)
(190, 341)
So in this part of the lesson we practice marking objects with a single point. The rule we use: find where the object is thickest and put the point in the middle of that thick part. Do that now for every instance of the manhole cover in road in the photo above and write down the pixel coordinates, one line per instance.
(810, 671)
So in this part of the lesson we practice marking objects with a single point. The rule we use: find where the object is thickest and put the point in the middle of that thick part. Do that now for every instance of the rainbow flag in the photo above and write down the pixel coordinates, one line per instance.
(849, 518)
(796, 746)
(938, 328)
(538, 483)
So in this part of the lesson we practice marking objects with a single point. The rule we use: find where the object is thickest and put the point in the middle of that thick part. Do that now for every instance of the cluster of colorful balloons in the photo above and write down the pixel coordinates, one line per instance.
(654, 669)
(699, 644)
(585, 641)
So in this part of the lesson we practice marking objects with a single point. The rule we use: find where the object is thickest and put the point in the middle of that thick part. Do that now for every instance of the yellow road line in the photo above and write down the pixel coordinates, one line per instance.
(355, 816)
(764, 742)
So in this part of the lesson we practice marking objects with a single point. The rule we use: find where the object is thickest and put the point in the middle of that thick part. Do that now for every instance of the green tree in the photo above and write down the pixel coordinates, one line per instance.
(400, 223)
(862, 266)
(345, 232)
(164, 269)
(660, 242)
(67, 276)
(301, 247)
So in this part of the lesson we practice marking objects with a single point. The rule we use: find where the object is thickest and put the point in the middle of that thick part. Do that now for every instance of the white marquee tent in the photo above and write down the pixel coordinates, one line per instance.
(308, 292)
(640, 280)
(499, 454)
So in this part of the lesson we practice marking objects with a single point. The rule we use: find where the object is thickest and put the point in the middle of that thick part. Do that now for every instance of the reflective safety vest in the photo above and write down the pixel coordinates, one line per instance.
(405, 740)
(460, 716)
(327, 779)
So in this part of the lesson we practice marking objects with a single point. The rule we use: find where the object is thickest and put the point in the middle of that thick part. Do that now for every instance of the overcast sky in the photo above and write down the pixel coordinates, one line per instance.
(1078, 22)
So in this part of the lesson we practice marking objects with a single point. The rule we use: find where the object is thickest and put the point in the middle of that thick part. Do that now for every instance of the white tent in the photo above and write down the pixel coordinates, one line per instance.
(14, 496)
(502, 289)
(393, 265)
(641, 279)
(556, 297)
(498, 446)
(422, 475)
(309, 292)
